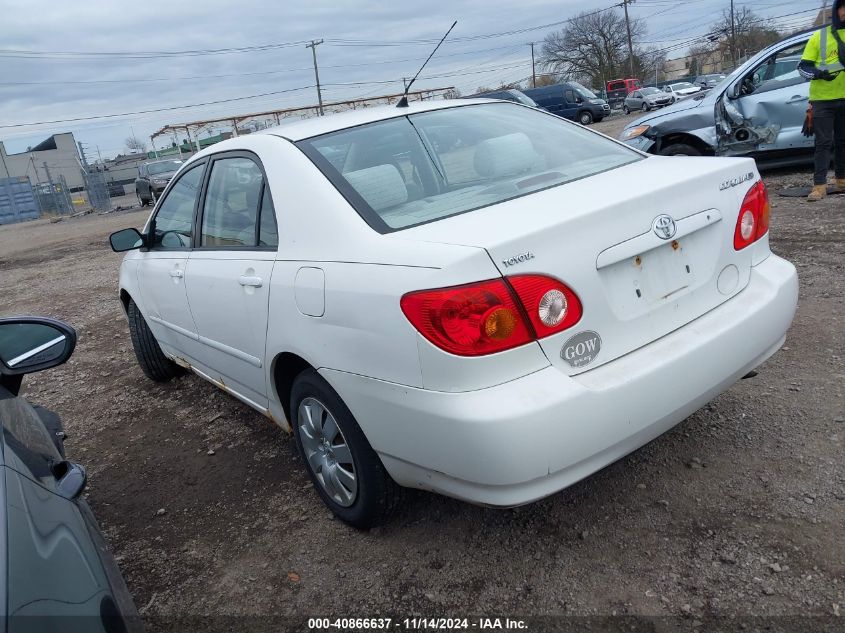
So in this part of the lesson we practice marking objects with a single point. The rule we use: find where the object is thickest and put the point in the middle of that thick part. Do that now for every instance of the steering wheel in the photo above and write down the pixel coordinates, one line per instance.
(174, 239)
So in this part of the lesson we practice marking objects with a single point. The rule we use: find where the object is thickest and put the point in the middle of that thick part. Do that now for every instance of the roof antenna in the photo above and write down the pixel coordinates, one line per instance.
(403, 102)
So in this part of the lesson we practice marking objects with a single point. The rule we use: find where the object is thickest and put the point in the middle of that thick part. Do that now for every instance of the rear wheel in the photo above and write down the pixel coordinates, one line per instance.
(585, 118)
(152, 360)
(625, 109)
(680, 149)
(345, 470)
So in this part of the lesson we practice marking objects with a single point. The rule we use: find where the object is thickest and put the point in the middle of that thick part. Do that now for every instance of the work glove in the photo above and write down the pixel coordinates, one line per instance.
(807, 128)
(826, 75)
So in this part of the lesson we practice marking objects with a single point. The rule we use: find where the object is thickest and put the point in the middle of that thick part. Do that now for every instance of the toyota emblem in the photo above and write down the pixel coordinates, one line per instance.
(664, 227)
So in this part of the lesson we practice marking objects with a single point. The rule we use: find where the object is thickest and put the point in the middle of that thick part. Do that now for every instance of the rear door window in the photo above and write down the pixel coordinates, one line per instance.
(233, 197)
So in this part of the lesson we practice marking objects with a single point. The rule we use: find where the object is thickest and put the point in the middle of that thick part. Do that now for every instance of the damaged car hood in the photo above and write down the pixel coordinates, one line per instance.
(678, 106)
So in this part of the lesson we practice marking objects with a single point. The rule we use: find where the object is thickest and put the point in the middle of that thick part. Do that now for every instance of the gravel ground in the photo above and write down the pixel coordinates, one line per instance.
(735, 514)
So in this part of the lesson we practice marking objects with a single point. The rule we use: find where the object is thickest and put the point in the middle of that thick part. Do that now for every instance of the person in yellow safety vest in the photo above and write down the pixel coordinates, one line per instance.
(823, 63)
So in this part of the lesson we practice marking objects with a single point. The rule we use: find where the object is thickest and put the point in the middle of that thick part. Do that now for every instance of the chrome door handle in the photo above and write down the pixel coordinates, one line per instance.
(798, 99)
(177, 273)
(246, 280)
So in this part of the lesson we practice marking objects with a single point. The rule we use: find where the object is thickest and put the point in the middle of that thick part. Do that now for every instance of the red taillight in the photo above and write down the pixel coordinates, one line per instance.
(753, 220)
(485, 317)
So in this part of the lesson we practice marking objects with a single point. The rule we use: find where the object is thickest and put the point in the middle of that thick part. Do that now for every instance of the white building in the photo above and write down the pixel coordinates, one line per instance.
(59, 153)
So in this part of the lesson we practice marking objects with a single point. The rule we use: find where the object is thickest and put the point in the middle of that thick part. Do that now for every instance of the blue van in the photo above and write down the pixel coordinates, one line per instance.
(570, 100)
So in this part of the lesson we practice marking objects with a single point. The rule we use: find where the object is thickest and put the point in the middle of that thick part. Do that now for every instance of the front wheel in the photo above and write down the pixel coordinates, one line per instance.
(344, 468)
(585, 118)
(625, 109)
(680, 149)
(645, 107)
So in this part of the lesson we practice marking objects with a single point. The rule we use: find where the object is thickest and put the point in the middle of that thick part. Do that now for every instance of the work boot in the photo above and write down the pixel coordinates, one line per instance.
(840, 183)
(818, 192)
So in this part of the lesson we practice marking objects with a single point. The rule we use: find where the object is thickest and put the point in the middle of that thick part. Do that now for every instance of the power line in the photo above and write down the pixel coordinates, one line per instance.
(181, 107)
(249, 74)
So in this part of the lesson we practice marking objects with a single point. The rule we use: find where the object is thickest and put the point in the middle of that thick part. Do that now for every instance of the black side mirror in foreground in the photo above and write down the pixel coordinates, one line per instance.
(126, 240)
(29, 344)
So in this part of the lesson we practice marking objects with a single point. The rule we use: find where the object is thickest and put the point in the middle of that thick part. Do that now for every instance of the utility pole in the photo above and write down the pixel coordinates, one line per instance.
(83, 156)
(47, 171)
(313, 46)
(533, 71)
(733, 36)
(34, 168)
(628, 28)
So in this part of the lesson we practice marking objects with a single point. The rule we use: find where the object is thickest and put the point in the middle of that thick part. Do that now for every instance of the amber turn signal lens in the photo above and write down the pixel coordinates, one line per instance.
(499, 324)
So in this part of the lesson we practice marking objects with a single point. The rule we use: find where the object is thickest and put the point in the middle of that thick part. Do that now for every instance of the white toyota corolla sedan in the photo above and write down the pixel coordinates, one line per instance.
(476, 298)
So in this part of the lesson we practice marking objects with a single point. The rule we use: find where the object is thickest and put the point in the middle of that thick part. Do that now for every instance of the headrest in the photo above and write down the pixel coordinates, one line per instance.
(381, 186)
(506, 155)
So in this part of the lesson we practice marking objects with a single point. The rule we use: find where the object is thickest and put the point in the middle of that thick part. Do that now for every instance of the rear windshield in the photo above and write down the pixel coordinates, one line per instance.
(425, 167)
(164, 166)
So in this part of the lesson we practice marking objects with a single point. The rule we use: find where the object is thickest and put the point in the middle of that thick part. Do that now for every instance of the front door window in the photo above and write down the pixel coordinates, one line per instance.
(173, 223)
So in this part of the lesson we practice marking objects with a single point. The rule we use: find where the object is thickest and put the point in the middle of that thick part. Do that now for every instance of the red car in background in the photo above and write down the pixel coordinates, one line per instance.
(618, 89)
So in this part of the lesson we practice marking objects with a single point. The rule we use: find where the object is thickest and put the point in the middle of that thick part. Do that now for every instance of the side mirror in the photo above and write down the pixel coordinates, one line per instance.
(30, 344)
(126, 240)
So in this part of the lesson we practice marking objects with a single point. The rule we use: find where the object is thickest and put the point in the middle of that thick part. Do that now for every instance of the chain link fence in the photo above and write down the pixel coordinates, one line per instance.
(54, 197)
(97, 189)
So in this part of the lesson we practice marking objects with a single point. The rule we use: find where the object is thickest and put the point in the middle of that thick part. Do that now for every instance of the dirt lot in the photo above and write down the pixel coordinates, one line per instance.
(736, 513)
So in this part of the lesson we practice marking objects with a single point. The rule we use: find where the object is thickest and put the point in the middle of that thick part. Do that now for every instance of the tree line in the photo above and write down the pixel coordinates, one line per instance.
(593, 49)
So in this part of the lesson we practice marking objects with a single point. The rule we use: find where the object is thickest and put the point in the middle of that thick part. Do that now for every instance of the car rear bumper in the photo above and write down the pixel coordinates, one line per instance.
(526, 439)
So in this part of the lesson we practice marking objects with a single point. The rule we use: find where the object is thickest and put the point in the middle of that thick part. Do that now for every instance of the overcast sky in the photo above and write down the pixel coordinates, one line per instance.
(366, 42)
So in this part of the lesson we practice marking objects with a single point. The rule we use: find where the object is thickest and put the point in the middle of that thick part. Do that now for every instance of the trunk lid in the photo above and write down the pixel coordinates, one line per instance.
(598, 236)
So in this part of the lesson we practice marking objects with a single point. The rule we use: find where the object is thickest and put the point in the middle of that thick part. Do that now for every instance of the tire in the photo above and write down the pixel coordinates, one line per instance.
(340, 450)
(152, 360)
(585, 118)
(645, 107)
(625, 109)
(680, 149)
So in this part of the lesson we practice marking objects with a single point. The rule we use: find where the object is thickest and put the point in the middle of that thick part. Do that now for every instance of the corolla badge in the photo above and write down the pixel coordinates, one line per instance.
(581, 349)
(733, 182)
(664, 227)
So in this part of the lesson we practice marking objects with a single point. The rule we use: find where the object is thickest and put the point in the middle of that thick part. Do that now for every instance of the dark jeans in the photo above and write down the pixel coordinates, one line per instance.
(829, 128)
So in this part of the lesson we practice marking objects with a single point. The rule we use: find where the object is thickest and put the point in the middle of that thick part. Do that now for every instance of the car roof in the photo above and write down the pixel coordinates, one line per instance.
(316, 126)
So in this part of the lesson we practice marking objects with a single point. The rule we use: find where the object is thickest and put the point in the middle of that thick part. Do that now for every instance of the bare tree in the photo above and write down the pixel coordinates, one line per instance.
(703, 57)
(592, 45)
(753, 33)
(134, 144)
(547, 79)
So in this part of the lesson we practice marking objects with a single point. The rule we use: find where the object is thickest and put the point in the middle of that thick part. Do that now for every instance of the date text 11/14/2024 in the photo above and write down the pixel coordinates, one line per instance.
(415, 624)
